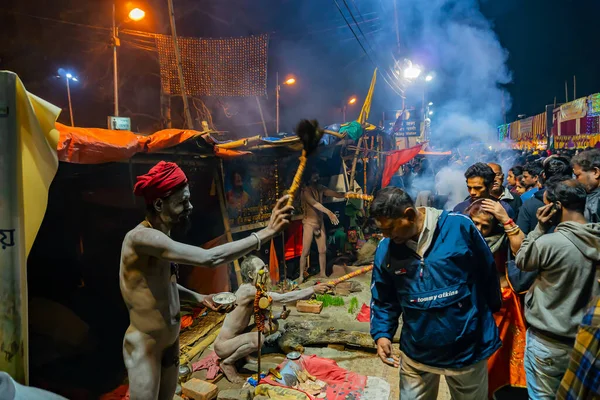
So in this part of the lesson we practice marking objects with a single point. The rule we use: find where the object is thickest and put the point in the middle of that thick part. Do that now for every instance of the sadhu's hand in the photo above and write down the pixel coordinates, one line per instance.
(322, 288)
(384, 351)
(209, 303)
(281, 216)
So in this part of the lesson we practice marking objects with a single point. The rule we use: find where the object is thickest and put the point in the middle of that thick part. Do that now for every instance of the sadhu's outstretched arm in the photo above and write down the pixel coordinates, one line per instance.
(154, 243)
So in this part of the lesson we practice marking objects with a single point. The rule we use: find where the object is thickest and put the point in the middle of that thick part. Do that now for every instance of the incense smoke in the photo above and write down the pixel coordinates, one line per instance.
(454, 39)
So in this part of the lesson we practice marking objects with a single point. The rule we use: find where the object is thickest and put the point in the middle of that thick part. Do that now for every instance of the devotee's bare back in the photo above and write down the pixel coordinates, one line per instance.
(237, 321)
(149, 291)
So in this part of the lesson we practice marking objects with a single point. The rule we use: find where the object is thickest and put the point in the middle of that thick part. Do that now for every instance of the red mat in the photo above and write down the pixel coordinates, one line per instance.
(341, 383)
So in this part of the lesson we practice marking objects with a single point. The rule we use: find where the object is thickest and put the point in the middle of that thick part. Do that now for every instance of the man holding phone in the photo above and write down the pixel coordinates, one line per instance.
(567, 280)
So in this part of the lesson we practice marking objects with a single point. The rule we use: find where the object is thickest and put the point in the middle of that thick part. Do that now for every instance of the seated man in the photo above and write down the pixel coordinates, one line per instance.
(233, 344)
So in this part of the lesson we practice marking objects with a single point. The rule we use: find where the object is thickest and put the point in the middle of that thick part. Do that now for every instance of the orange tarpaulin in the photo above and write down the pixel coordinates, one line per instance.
(95, 145)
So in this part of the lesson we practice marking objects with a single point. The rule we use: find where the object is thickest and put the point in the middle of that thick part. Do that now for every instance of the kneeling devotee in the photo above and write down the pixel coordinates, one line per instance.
(233, 344)
(435, 269)
(148, 278)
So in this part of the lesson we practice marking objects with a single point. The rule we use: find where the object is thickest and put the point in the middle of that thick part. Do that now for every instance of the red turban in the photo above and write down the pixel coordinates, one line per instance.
(159, 181)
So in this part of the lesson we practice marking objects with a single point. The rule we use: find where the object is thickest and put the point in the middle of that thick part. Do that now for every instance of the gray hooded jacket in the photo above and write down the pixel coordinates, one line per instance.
(568, 261)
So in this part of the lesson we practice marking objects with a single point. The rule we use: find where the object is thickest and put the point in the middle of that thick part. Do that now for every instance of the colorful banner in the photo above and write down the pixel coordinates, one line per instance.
(525, 126)
(539, 126)
(503, 133)
(577, 141)
(28, 163)
(574, 109)
(594, 104)
(515, 131)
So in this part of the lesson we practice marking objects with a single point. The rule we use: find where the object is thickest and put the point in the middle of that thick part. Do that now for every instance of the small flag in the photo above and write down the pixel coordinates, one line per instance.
(273, 264)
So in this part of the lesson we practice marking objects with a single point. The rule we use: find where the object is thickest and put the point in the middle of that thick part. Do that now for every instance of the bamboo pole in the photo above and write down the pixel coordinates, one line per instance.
(354, 161)
(218, 177)
(262, 118)
(186, 105)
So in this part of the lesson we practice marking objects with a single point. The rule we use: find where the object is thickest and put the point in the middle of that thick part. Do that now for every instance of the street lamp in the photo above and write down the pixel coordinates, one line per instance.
(288, 81)
(70, 77)
(430, 103)
(429, 78)
(351, 101)
(136, 14)
(412, 72)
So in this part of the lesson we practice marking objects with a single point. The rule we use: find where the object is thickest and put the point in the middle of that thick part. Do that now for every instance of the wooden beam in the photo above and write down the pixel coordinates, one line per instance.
(218, 177)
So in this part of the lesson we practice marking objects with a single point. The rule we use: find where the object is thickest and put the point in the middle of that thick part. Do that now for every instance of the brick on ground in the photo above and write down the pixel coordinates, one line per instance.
(197, 389)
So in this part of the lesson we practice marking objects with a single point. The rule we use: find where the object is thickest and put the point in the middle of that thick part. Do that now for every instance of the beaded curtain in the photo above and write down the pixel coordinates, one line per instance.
(226, 67)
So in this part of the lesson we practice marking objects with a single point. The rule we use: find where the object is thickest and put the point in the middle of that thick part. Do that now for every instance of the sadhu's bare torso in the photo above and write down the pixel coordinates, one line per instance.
(149, 289)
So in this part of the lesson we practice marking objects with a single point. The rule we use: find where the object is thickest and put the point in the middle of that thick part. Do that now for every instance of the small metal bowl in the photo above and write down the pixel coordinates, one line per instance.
(294, 355)
(224, 298)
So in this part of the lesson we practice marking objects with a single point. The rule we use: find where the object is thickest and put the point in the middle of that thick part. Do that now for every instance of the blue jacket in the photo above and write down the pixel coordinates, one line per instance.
(446, 299)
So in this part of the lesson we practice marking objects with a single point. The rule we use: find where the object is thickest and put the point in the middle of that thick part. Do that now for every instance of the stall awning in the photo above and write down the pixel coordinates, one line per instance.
(96, 146)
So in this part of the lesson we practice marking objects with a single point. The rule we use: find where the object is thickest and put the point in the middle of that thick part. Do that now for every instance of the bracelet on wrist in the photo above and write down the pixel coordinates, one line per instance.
(514, 232)
(510, 221)
(258, 244)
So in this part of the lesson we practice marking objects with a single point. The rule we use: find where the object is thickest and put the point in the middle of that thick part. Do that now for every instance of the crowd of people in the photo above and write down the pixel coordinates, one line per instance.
(501, 290)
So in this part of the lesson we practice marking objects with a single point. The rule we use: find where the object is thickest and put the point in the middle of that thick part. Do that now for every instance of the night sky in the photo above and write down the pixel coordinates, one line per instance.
(548, 42)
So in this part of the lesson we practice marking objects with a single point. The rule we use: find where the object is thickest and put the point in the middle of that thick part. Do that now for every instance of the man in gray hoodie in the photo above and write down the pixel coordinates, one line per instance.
(567, 262)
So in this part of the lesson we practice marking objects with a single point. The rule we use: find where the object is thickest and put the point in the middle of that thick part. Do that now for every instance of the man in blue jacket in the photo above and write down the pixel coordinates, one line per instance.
(435, 269)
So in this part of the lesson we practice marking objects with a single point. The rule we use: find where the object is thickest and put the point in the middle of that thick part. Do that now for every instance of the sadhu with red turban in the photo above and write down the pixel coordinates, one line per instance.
(160, 181)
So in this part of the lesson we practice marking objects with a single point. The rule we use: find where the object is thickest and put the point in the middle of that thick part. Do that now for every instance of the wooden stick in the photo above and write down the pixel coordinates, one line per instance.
(351, 275)
(259, 355)
(199, 347)
(297, 178)
(365, 197)
(354, 161)
(218, 177)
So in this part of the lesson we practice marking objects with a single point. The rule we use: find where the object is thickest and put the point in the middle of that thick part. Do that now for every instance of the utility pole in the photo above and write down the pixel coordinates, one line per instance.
(186, 106)
(566, 93)
(70, 104)
(397, 27)
(574, 87)
(277, 89)
(165, 110)
(116, 43)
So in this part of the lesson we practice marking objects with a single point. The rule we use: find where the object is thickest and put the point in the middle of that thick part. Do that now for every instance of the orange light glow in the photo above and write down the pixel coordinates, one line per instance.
(137, 14)
(352, 100)
(290, 81)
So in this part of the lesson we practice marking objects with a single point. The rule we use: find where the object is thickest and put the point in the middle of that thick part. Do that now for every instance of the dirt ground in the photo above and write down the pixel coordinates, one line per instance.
(360, 361)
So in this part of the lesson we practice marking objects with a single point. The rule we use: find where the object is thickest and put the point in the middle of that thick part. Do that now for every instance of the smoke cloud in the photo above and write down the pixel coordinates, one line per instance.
(454, 39)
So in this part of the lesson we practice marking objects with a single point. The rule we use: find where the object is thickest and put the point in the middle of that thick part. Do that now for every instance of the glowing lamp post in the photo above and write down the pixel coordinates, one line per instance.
(351, 101)
(135, 14)
(70, 77)
(290, 81)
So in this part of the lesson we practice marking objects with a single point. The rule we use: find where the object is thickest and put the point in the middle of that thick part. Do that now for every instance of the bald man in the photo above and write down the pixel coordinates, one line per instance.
(501, 192)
